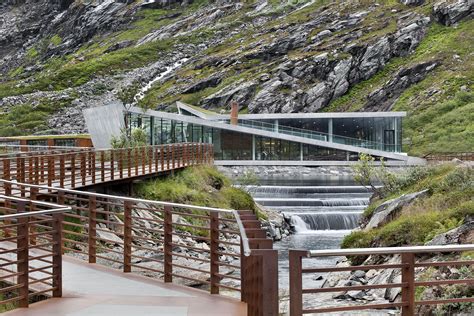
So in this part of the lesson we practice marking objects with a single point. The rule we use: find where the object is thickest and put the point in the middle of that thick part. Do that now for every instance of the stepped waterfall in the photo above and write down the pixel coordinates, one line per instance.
(321, 210)
(315, 208)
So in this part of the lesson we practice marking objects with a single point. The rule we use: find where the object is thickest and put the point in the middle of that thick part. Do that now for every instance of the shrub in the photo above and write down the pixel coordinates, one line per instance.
(239, 199)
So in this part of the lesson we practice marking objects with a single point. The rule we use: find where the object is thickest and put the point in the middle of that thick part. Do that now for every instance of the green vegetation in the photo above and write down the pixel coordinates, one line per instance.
(56, 40)
(137, 138)
(199, 185)
(451, 189)
(26, 119)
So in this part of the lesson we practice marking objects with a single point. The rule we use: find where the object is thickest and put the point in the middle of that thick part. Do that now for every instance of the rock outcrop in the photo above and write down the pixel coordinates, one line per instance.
(382, 99)
(463, 234)
(333, 78)
(388, 210)
(449, 12)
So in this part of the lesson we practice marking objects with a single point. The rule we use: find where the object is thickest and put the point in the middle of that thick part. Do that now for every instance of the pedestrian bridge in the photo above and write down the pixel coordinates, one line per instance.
(99, 254)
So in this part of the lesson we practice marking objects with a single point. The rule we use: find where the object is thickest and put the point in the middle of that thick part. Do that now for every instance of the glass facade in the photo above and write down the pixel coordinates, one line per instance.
(382, 133)
(229, 145)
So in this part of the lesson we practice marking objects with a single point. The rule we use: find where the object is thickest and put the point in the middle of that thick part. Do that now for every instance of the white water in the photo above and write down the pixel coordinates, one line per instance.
(298, 224)
(321, 212)
(141, 94)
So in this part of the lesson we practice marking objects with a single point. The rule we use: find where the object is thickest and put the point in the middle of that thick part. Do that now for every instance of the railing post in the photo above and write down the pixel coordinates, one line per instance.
(36, 169)
(168, 239)
(22, 256)
(214, 252)
(102, 166)
(150, 159)
(127, 239)
(408, 292)
(162, 157)
(62, 171)
(135, 155)
(167, 157)
(259, 271)
(83, 168)
(33, 197)
(92, 229)
(51, 175)
(296, 282)
(57, 255)
(173, 156)
(30, 170)
(8, 191)
(93, 166)
(143, 160)
(112, 165)
(61, 201)
(73, 171)
(120, 164)
(41, 168)
(129, 162)
(156, 157)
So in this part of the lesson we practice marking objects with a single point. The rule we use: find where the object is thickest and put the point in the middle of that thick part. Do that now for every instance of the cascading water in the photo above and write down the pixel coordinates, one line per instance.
(321, 210)
(319, 207)
(299, 224)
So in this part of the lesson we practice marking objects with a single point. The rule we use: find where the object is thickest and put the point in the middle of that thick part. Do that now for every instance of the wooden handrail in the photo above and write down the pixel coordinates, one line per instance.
(87, 168)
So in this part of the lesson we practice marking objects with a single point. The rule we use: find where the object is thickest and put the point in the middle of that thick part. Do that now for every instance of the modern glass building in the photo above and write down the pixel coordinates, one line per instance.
(295, 138)
(266, 139)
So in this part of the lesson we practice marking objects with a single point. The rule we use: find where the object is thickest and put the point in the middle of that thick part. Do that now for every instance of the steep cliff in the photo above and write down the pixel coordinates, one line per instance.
(58, 57)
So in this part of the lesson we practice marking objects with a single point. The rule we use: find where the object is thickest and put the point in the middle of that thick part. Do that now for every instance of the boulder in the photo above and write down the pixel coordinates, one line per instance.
(458, 235)
(119, 45)
(390, 209)
(449, 13)
(241, 92)
(203, 84)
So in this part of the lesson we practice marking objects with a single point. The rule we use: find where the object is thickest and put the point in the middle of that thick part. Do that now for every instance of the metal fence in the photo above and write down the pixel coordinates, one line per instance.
(408, 282)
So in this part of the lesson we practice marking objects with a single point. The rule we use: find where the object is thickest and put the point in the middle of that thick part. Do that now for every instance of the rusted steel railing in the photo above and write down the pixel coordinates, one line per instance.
(219, 249)
(90, 167)
(30, 250)
(408, 282)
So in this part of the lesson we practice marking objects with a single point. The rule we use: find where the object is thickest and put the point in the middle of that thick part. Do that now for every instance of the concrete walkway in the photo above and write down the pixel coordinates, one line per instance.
(93, 290)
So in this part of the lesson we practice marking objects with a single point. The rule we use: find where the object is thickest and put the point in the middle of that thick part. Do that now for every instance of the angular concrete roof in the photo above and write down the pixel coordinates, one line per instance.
(272, 116)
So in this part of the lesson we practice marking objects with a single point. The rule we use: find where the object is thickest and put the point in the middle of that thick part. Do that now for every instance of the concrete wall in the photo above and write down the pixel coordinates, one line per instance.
(103, 123)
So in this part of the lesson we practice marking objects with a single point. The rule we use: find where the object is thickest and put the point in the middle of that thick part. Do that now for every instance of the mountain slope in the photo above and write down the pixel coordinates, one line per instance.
(270, 56)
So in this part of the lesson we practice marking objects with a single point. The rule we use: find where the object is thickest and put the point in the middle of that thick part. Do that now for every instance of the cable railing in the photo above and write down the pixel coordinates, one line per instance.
(300, 304)
(223, 251)
(30, 250)
(319, 135)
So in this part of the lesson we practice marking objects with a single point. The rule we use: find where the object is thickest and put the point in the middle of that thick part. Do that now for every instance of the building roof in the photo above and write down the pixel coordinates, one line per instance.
(207, 115)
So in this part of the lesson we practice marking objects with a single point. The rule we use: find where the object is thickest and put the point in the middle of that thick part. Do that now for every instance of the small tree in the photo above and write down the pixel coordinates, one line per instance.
(137, 139)
(127, 96)
(248, 179)
(364, 172)
(367, 174)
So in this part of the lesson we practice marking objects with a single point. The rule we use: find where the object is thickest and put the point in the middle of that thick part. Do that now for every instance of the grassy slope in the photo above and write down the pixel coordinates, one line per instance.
(204, 186)
(450, 200)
